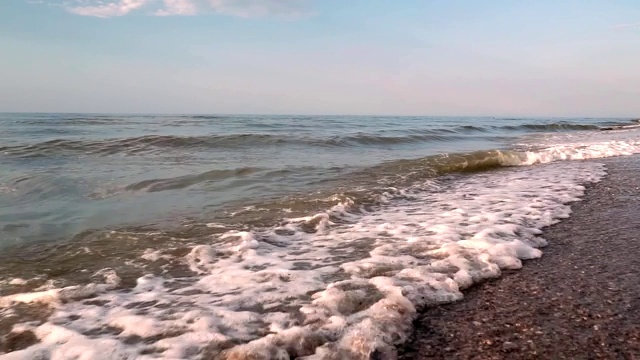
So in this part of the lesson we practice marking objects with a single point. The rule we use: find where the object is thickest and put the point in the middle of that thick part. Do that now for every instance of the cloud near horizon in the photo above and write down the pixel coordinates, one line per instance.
(624, 26)
(240, 8)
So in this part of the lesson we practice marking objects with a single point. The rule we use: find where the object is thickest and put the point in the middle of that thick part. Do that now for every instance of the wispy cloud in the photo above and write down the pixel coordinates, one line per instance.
(104, 9)
(623, 26)
(240, 8)
(177, 7)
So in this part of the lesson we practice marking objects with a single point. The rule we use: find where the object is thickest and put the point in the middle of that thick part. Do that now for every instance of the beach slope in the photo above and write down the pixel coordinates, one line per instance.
(581, 300)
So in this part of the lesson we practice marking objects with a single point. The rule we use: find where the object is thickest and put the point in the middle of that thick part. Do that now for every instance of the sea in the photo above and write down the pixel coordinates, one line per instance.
(270, 237)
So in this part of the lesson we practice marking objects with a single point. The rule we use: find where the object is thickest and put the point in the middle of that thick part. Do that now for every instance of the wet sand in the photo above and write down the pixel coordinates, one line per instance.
(581, 300)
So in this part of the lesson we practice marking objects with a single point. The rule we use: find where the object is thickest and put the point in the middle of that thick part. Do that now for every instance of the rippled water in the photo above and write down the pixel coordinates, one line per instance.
(62, 174)
(220, 236)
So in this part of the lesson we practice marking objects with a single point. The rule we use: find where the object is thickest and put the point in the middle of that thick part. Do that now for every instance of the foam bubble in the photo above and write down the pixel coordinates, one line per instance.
(17, 281)
(154, 255)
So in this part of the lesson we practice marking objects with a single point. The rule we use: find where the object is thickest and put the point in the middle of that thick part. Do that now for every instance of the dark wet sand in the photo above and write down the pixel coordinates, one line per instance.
(581, 300)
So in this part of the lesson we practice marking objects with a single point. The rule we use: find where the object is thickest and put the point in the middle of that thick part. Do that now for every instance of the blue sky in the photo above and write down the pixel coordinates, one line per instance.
(410, 57)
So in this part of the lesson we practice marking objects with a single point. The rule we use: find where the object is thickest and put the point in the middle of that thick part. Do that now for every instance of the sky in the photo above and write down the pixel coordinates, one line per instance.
(369, 57)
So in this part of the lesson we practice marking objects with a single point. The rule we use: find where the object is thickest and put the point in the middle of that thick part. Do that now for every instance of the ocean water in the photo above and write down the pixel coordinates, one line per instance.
(165, 236)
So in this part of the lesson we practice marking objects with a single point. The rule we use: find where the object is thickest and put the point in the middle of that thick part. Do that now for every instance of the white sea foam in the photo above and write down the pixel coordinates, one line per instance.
(154, 255)
(54, 296)
(6, 189)
(581, 151)
(345, 283)
(584, 145)
(17, 281)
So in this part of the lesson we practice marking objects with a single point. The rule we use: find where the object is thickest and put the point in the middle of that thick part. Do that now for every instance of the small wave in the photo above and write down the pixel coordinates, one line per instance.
(471, 128)
(153, 143)
(141, 144)
(366, 139)
(182, 182)
(404, 172)
(549, 127)
(60, 120)
(247, 178)
(158, 143)
(206, 117)
(468, 129)
(635, 125)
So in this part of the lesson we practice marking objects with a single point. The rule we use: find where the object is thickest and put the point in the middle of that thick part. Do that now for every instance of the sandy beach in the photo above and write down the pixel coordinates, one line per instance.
(581, 300)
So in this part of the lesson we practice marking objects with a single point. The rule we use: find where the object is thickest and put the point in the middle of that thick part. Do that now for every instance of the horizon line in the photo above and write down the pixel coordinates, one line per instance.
(318, 115)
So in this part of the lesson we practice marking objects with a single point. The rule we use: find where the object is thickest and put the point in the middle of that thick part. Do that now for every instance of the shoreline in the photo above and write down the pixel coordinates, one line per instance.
(581, 300)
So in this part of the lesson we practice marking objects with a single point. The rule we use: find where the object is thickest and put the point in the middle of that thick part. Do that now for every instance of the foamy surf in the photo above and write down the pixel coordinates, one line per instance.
(344, 283)
(349, 288)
